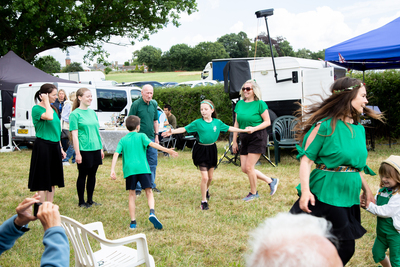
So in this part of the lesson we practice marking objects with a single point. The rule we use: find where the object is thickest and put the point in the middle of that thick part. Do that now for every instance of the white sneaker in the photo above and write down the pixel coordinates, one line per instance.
(66, 163)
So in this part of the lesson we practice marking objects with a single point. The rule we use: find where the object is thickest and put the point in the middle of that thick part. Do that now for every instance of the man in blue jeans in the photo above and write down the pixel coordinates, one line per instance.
(146, 109)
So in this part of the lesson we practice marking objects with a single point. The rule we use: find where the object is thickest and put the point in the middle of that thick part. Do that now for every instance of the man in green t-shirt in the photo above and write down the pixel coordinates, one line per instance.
(146, 109)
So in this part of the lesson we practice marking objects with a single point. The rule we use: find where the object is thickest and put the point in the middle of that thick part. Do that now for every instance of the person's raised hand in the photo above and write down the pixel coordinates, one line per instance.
(24, 210)
(49, 215)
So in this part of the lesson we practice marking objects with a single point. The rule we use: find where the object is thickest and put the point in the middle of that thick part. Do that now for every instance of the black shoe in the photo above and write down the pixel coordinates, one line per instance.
(208, 195)
(138, 192)
(204, 206)
(156, 190)
(83, 205)
(94, 203)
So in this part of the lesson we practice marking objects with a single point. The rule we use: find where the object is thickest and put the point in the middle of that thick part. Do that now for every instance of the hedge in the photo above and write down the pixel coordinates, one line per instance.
(185, 102)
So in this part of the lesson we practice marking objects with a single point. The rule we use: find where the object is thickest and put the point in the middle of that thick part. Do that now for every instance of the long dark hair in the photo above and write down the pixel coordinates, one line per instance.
(336, 106)
(46, 88)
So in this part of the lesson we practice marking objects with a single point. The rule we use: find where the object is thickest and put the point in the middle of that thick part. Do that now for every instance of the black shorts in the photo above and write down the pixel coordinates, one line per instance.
(255, 143)
(144, 179)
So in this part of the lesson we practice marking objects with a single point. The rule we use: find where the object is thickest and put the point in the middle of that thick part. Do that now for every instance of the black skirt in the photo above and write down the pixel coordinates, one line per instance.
(346, 222)
(205, 155)
(90, 159)
(46, 166)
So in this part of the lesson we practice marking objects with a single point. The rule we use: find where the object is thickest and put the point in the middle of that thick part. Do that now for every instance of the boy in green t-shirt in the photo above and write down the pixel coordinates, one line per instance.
(135, 166)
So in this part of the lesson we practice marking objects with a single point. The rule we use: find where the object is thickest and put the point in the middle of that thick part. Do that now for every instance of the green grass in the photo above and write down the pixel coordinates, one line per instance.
(154, 76)
(191, 237)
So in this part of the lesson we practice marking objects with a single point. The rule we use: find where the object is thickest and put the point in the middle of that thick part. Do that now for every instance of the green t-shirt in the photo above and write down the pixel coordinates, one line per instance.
(147, 114)
(87, 124)
(208, 131)
(342, 148)
(249, 113)
(45, 129)
(133, 148)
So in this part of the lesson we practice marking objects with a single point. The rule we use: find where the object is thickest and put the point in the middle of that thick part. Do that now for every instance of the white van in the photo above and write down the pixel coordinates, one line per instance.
(107, 102)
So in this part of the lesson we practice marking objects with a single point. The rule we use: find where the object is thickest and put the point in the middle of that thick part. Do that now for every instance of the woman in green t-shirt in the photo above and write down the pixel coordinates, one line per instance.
(252, 113)
(84, 127)
(332, 137)
(46, 170)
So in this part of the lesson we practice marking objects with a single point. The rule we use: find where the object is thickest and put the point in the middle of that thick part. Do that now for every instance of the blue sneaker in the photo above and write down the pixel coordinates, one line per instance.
(132, 226)
(153, 219)
(251, 196)
(274, 185)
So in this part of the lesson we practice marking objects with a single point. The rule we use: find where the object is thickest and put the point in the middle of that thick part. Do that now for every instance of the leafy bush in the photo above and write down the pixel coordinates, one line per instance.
(383, 89)
(185, 102)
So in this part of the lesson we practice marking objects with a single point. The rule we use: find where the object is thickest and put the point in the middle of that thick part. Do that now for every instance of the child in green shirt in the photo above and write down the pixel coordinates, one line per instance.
(135, 166)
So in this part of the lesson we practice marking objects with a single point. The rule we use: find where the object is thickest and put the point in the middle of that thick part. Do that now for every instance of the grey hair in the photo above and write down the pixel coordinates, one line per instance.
(286, 240)
(256, 90)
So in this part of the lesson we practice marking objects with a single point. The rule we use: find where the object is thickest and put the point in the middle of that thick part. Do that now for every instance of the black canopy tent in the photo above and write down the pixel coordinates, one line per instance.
(13, 71)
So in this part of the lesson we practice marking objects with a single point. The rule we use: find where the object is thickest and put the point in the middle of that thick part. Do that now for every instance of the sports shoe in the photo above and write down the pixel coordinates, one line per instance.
(138, 192)
(84, 205)
(132, 226)
(156, 190)
(94, 203)
(251, 196)
(153, 219)
(274, 185)
(65, 163)
(204, 206)
(208, 195)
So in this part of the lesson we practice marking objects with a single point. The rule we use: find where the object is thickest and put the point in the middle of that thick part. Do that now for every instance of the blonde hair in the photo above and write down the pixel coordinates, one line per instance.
(256, 90)
(77, 102)
(386, 170)
(72, 94)
(65, 94)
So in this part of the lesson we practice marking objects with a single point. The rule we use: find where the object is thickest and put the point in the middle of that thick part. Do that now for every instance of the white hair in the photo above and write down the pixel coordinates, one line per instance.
(288, 240)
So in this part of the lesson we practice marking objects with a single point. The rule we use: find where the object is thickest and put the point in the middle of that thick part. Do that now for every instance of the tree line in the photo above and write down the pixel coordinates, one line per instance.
(182, 57)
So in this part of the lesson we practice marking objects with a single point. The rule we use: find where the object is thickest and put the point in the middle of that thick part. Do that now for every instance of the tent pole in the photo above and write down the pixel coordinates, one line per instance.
(363, 76)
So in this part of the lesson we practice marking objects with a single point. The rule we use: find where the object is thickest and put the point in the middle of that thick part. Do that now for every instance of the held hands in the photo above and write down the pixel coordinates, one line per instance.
(24, 210)
(366, 198)
(250, 129)
(306, 197)
(49, 215)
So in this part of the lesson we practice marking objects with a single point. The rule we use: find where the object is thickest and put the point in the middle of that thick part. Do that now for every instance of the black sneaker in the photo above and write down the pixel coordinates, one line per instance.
(84, 205)
(138, 192)
(204, 206)
(156, 190)
(94, 203)
(208, 195)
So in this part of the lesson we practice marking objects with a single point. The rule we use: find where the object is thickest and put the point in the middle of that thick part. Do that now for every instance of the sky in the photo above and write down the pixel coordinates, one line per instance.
(310, 24)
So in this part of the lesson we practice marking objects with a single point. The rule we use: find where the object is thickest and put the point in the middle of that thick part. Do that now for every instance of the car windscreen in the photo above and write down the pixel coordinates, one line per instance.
(111, 100)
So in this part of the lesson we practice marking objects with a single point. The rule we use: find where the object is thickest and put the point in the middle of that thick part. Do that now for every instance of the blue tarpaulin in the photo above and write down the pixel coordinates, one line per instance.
(376, 49)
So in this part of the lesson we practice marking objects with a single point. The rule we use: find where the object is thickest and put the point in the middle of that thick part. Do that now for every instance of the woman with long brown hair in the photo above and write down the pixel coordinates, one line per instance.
(332, 137)
(84, 127)
(46, 170)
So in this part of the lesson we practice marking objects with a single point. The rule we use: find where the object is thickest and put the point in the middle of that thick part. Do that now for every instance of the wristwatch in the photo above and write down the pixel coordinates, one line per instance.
(22, 228)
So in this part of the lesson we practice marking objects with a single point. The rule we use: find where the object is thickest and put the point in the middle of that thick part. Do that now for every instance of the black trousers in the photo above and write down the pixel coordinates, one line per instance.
(90, 174)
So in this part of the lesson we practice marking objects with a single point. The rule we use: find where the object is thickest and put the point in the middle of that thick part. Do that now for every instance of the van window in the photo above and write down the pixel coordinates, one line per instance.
(135, 94)
(111, 100)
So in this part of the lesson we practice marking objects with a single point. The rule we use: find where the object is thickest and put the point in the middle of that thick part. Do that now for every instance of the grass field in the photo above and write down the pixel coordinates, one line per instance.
(191, 237)
(155, 76)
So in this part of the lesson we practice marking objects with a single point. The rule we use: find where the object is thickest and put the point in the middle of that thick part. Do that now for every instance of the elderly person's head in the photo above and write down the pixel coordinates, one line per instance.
(147, 93)
(291, 240)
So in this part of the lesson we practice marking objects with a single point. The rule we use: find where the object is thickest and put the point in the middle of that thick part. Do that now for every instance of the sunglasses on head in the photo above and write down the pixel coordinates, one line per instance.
(246, 89)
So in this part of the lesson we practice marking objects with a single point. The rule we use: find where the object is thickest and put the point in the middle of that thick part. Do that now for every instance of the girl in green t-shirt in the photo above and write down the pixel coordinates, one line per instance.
(84, 127)
(46, 170)
(332, 137)
(205, 154)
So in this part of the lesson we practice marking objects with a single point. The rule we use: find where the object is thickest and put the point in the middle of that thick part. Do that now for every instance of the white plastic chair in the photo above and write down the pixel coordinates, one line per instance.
(111, 253)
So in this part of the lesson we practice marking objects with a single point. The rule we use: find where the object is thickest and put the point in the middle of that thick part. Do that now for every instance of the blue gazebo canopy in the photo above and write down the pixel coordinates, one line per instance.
(376, 49)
